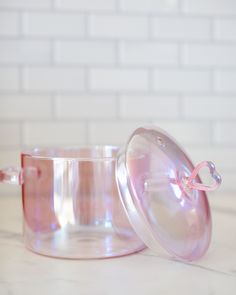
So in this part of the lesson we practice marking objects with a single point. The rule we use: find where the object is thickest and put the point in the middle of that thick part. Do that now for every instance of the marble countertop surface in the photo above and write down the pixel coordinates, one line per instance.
(23, 272)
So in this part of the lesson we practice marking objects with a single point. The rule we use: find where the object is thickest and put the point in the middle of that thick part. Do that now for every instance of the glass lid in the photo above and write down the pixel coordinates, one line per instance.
(163, 195)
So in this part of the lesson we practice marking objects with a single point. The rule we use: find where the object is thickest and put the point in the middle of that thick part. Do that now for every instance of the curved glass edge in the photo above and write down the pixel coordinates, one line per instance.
(134, 214)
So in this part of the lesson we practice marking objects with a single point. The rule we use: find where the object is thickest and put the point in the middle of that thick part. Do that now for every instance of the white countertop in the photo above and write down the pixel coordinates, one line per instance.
(23, 272)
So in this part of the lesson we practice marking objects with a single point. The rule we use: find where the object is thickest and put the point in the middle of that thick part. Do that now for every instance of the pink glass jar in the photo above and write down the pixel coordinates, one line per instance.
(103, 201)
(71, 203)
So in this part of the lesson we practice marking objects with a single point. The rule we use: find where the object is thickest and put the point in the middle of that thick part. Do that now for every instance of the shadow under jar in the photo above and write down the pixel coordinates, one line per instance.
(71, 204)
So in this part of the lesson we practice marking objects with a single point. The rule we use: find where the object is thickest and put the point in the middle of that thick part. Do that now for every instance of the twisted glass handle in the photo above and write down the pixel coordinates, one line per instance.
(11, 175)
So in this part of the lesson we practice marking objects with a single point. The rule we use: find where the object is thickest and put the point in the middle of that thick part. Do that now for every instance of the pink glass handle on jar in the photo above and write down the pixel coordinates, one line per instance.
(200, 186)
(188, 183)
(15, 175)
(11, 175)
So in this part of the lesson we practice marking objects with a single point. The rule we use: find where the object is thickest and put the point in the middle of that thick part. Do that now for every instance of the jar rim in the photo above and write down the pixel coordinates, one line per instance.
(76, 153)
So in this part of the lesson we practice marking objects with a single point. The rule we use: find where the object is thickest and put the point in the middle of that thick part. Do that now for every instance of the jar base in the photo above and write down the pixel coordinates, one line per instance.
(85, 243)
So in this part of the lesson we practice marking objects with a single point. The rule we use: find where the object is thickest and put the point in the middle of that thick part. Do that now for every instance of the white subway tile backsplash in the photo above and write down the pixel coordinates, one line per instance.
(53, 133)
(88, 5)
(86, 107)
(228, 182)
(118, 26)
(25, 107)
(101, 68)
(85, 52)
(225, 81)
(224, 157)
(148, 53)
(9, 157)
(25, 4)
(146, 106)
(24, 52)
(188, 133)
(111, 133)
(9, 79)
(209, 7)
(182, 81)
(225, 29)
(209, 107)
(118, 80)
(181, 28)
(9, 134)
(225, 132)
(53, 79)
(53, 24)
(161, 6)
(9, 24)
(209, 55)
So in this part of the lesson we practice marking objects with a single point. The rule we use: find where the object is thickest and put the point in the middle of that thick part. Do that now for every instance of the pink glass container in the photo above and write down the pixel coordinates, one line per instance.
(103, 201)
(71, 204)
(163, 194)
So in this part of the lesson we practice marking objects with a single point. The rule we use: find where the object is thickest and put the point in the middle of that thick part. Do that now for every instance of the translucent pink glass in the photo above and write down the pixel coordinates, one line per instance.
(71, 203)
(97, 202)
(163, 194)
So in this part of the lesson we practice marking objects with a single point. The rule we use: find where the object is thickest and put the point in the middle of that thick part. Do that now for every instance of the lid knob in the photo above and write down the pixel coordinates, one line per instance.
(190, 182)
